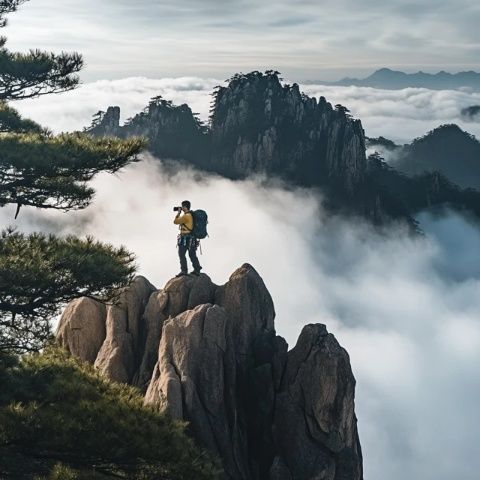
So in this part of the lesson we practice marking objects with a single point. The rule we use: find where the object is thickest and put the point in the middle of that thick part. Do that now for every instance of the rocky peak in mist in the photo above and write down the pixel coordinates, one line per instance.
(382, 142)
(448, 150)
(210, 355)
(260, 126)
(257, 125)
(172, 131)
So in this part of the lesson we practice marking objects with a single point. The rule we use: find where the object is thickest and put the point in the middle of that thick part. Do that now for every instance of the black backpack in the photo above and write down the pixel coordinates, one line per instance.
(200, 220)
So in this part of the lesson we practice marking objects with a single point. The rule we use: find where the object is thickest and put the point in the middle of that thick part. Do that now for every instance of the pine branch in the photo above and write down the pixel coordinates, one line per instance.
(39, 273)
(37, 73)
(11, 121)
(8, 6)
(52, 172)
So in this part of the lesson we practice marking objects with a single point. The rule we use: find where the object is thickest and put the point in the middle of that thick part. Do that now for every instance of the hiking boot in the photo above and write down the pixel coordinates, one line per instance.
(196, 273)
(181, 274)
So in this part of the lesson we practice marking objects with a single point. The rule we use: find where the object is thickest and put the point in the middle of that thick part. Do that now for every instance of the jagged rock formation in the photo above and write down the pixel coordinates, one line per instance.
(259, 126)
(209, 354)
(172, 131)
(309, 412)
(85, 332)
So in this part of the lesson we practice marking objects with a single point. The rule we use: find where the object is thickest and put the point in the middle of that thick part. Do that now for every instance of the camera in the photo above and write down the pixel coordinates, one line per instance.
(177, 209)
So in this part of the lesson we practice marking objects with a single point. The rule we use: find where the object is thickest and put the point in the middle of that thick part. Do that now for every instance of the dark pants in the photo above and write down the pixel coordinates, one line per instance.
(189, 245)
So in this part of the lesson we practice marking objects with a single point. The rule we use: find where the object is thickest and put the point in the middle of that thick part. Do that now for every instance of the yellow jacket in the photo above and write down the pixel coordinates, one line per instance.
(186, 223)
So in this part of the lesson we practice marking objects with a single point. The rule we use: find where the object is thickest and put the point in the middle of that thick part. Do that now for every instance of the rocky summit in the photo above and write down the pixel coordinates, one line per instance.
(209, 355)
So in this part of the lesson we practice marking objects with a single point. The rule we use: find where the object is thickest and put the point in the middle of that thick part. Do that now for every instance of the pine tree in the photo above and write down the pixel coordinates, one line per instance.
(56, 410)
(39, 273)
(342, 110)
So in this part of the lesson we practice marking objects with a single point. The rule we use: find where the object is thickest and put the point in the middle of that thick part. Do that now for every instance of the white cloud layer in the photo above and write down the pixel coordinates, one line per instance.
(74, 110)
(400, 115)
(406, 309)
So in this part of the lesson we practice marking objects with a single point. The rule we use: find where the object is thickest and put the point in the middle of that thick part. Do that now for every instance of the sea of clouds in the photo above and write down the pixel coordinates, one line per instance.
(405, 308)
(400, 115)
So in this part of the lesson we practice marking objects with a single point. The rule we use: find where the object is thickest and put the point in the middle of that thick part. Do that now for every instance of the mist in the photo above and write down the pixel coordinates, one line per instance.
(405, 308)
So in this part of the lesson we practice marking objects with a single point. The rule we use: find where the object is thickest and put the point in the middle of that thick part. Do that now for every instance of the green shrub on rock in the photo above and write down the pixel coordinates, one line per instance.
(55, 409)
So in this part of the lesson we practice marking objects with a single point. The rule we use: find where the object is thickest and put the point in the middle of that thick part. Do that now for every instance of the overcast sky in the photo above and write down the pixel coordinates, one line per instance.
(304, 39)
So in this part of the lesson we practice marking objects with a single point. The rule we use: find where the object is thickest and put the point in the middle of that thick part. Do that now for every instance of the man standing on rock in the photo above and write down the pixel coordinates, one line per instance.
(186, 240)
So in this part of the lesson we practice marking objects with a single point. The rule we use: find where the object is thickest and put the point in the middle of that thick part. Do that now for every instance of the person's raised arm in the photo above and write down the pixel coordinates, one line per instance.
(178, 220)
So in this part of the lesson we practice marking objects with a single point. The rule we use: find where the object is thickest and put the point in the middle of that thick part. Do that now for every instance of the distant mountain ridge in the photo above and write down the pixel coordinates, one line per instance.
(388, 79)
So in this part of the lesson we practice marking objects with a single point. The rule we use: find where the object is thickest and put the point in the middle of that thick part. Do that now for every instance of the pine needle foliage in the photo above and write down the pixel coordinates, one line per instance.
(61, 416)
(38, 168)
(52, 172)
(11, 121)
(39, 273)
(8, 6)
(28, 75)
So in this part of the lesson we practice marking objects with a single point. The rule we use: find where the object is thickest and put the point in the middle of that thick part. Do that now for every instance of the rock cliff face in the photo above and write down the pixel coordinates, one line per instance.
(260, 125)
(257, 125)
(209, 355)
(173, 131)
